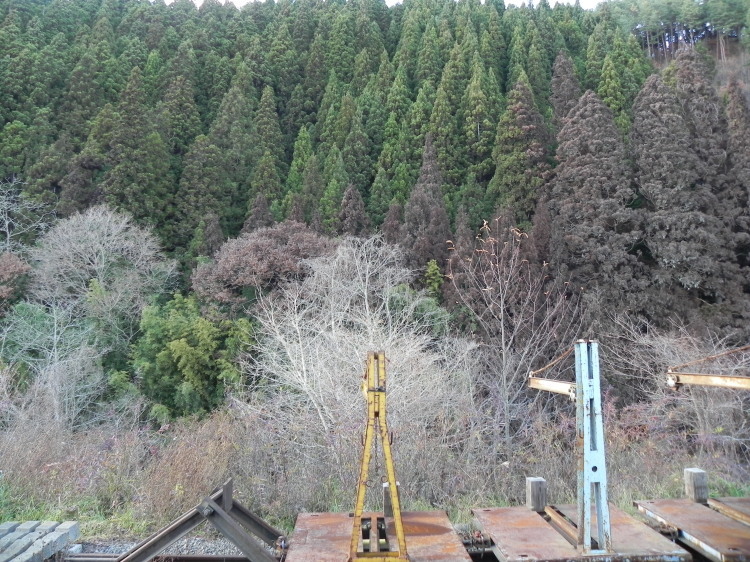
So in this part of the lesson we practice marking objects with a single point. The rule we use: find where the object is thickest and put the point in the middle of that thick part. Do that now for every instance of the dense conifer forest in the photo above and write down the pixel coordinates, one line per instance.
(209, 216)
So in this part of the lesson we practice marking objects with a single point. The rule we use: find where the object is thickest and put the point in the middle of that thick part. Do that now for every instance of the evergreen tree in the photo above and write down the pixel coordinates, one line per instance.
(480, 124)
(265, 180)
(373, 114)
(267, 131)
(393, 223)
(566, 90)
(79, 187)
(313, 187)
(520, 156)
(259, 216)
(335, 176)
(352, 218)
(303, 150)
(232, 133)
(426, 230)
(599, 44)
(430, 61)
(493, 48)
(538, 69)
(593, 229)
(381, 196)
(138, 181)
(204, 188)
(683, 232)
(358, 156)
(611, 93)
(738, 120)
(340, 53)
(284, 61)
(398, 96)
(179, 121)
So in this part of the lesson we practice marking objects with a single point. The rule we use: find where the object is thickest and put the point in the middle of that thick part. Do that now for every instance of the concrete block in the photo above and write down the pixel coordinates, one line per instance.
(31, 554)
(36, 541)
(71, 527)
(47, 526)
(54, 542)
(18, 546)
(8, 527)
(10, 538)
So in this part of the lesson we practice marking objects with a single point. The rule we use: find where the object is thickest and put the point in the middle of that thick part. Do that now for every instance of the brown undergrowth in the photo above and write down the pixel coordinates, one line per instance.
(127, 482)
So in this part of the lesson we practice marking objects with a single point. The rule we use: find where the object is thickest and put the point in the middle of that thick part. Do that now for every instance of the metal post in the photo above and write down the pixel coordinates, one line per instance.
(592, 465)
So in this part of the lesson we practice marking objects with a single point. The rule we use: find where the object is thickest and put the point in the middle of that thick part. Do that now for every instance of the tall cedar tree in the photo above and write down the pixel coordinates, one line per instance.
(593, 229)
(268, 131)
(260, 215)
(205, 188)
(138, 181)
(566, 90)
(709, 139)
(426, 230)
(352, 218)
(738, 117)
(684, 235)
(520, 155)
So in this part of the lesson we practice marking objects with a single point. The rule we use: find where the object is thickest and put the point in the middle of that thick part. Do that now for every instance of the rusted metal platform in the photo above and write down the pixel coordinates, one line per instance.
(523, 535)
(736, 508)
(717, 536)
(326, 537)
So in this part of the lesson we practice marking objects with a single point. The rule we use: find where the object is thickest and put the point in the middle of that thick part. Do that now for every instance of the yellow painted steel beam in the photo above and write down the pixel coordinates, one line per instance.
(675, 380)
(374, 388)
(559, 387)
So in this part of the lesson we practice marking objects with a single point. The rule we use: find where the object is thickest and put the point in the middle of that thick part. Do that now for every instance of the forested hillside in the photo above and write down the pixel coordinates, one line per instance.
(216, 212)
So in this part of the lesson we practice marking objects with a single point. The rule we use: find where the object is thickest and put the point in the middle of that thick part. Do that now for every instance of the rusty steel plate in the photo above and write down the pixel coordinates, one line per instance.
(523, 535)
(714, 535)
(736, 508)
(631, 537)
(325, 537)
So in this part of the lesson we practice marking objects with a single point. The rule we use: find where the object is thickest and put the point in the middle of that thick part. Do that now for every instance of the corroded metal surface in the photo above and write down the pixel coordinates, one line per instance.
(714, 535)
(325, 537)
(523, 535)
(736, 508)
(633, 537)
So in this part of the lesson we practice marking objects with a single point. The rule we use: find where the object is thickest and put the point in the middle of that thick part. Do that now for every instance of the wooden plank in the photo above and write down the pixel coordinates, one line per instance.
(736, 508)
(714, 535)
(326, 537)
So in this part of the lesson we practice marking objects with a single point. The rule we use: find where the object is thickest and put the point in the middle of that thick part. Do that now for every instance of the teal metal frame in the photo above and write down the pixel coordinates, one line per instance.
(592, 463)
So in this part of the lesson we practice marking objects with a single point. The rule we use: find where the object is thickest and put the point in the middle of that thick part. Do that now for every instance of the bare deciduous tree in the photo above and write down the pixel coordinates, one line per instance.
(521, 320)
(62, 369)
(21, 219)
(313, 339)
(102, 266)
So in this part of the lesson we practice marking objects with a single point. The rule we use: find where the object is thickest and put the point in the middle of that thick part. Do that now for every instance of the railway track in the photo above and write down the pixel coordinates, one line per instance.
(99, 557)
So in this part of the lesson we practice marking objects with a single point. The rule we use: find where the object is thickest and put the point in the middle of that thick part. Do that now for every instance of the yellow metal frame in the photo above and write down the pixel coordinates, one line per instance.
(374, 388)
